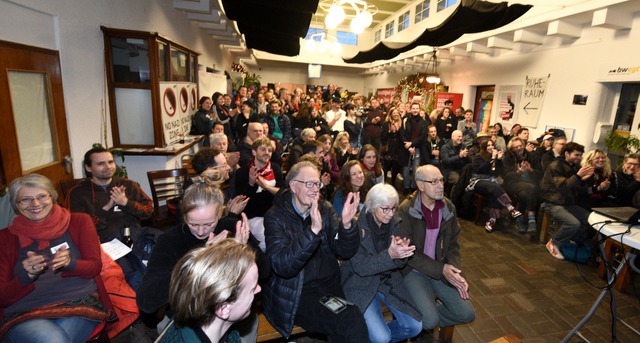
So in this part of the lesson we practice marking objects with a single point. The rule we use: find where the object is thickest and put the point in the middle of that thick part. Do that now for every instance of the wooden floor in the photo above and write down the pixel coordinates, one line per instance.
(519, 289)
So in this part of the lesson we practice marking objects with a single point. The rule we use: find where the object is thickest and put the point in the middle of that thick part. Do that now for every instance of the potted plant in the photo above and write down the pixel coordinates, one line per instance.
(621, 144)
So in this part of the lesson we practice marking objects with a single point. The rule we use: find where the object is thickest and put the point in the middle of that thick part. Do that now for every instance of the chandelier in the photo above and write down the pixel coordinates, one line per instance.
(432, 73)
(323, 42)
(336, 14)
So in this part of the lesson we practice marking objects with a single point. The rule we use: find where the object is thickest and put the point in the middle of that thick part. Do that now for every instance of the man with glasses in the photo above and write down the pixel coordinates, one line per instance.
(305, 237)
(429, 220)
(628, 179)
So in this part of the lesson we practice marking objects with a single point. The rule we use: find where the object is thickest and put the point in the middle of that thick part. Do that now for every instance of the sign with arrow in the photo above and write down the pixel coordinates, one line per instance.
(532, 99)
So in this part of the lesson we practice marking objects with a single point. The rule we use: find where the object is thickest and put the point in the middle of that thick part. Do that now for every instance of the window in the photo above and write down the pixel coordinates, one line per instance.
(388, 29)
(313, 31)
(347, 38)
(442, 4)
(376, 36)
(422, 11)
(403, 21)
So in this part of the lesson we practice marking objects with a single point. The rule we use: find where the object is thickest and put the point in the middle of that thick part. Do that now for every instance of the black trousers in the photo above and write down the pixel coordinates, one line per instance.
(346, 326)
(527, 194)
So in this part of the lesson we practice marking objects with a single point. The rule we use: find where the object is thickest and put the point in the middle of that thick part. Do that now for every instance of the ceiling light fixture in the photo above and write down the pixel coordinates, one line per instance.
(432, 73)
(335, 14)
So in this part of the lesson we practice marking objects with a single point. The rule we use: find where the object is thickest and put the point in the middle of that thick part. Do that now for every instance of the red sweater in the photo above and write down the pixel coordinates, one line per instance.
(13, 287)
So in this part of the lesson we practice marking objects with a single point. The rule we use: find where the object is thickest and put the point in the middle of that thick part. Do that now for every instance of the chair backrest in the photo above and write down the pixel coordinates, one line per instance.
(65, 187)
(186, 164)
(166, 184)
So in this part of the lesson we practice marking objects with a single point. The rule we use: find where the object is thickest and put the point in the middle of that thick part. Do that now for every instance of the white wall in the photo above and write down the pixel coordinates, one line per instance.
(297, 73)
(73, 28)
(575, 68)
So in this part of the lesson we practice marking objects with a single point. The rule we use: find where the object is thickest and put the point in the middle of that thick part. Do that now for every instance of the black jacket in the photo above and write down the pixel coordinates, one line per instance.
(290, 245)
(560, 184)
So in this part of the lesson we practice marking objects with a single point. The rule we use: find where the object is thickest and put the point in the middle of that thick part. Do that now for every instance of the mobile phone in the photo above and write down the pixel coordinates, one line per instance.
(332, 303)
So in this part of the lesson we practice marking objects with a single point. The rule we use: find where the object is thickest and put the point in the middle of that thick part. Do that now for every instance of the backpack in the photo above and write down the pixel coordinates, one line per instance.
(576, 252)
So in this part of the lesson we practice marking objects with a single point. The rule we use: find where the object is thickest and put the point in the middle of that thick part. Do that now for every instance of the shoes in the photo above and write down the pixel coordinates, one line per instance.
(515, 213)
(489, 225)
(554, 251)
(532, 227)
(522, 228)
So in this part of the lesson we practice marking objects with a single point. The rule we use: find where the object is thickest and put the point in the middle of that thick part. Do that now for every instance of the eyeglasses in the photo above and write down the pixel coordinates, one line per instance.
(386, 210)
(311, 184)
(434, 181)
(28, 200)
(206, 226)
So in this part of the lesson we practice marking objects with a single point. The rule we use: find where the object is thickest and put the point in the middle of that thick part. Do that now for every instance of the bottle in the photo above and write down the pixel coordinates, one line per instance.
(127, 237)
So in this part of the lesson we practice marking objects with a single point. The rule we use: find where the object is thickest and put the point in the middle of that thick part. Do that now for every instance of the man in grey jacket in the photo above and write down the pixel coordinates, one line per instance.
(429, 220)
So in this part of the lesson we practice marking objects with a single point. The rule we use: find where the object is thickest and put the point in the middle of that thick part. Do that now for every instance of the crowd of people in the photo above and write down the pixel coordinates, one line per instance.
(331, 206)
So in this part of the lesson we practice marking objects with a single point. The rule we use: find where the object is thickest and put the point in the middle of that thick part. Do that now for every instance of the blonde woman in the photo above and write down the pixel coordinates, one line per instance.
(602, 185)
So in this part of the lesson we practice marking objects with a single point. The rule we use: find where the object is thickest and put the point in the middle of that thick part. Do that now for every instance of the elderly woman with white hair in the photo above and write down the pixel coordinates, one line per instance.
(306, 135)
(373, 275)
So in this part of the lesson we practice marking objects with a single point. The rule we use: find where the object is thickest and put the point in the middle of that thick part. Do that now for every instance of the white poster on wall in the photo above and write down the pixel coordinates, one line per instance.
(178, 104)
(210, 83)
(508, 102)
(532, 97)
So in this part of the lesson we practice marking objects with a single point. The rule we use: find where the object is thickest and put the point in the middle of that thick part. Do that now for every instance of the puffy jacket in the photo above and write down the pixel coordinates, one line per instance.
(284, 124)
(290, 244)
(361, 274)
(413, 226)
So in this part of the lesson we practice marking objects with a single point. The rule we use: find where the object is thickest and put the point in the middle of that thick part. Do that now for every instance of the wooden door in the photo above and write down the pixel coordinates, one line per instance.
(33, 123)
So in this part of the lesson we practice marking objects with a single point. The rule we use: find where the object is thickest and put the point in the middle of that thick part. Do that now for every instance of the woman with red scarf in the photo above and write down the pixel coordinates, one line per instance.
(370, 162)
(49, 261)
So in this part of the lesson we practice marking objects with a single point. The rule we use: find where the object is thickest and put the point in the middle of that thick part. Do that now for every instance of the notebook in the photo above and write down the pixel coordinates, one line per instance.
(622, 214)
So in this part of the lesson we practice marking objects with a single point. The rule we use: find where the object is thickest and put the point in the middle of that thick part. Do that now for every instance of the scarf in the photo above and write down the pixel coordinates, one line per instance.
(53, 226)
(266, 173)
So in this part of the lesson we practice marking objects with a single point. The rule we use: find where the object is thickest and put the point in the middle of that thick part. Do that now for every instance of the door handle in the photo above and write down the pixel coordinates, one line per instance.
(68, 161)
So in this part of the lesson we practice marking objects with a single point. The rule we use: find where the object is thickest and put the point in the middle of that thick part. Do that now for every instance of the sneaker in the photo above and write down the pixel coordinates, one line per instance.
(554, 251)
(489, 225)
(532, 228)
(515, 213)
(522, 228)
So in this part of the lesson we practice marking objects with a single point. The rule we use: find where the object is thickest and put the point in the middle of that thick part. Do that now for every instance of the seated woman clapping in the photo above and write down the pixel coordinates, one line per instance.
(373, 275)
(49, 269)
(487, 167)
(211, 289)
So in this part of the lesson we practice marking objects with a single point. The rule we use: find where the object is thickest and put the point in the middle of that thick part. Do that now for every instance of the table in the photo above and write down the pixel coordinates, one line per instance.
(608, 228)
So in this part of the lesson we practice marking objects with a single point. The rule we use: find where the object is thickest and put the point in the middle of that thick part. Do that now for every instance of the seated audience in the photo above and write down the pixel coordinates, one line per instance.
(50, 269)
(335, 116)
(468, 128)
(202, 122)
(221, 142)
(301, 121)
(329, 157)
(497, 140)
(243, 119)
(318, 123)
(628, 176)
(295, 151)
(352, 179)
(211, 164)
(487, 167)
(475, 145)
(429, 221)
(343, 150)
(552, 154)
(259, 182)
(446, 124)
(255, 130)
(202, 208)
(523, 133)
(305, 237)
(206, 305)
(602, 186)
(434, 145)
(276, 157)
(370, 162)
(453, 157)
(513, 133)
(563, 182)
(372, 276)
(279, 124)
(521, 181)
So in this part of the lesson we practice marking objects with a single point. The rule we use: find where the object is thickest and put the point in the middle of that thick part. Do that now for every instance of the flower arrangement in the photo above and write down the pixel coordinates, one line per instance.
(416, 84)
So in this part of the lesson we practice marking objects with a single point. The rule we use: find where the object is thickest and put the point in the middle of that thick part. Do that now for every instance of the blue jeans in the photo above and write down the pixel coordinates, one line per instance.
(574, 220)
(62, 330)
(450, 310)
(410, 169)
(404, 326)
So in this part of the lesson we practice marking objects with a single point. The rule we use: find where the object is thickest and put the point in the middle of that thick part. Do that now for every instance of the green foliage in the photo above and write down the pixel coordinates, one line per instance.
(622, 144)
(121, 170)
(249, 80)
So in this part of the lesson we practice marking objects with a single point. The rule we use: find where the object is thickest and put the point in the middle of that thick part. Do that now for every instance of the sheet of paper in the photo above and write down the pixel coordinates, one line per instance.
(115, 249)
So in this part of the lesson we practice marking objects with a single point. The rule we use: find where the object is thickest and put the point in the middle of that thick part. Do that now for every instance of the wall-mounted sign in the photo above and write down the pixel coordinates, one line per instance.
(533, 92)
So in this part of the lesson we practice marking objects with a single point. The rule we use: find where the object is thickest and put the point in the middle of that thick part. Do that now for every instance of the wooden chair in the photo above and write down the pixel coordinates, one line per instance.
(186, 164)
(165, 185)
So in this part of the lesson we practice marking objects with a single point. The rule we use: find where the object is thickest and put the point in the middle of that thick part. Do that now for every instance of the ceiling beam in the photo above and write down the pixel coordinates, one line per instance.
(499, 43)
(213, 16)
(477, 47)
(612, 19)
(222, 26)
(527, 36)
(201, 6)
(564, 29)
